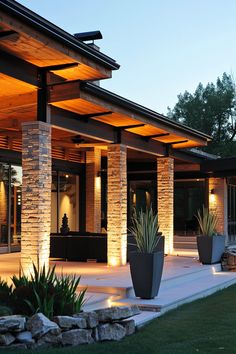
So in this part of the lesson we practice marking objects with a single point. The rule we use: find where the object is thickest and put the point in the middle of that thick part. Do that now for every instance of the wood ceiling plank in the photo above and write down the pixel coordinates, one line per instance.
(16, 101)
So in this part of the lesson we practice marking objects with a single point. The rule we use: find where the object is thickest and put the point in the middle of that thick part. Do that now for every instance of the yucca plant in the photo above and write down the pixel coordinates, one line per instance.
(207, 222)
(145, 230)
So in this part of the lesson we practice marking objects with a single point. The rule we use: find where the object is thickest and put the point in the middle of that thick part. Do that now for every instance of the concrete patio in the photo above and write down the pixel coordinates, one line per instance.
(184, 280)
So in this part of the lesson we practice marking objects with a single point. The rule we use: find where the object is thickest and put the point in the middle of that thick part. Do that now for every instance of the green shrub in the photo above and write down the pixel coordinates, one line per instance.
(43, 292)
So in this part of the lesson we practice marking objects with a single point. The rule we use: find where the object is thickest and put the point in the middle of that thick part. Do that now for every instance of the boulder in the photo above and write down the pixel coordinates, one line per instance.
(50, 340)
(39, 325)
(68, 322)
(25, 337)
(111, 331)
(6, 339)
(129, 326)
(112, 314)
(77, 336)
(12, 323)
(91, 318)
(13, 347)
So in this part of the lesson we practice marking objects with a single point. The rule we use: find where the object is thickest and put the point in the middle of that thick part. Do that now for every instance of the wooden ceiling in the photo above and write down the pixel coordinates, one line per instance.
(34, 47)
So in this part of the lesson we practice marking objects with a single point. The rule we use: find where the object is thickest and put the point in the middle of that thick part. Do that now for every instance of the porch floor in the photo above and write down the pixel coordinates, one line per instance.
(184, 279)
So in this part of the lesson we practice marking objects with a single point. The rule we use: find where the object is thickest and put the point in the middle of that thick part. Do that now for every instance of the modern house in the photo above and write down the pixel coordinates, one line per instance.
(68, 146)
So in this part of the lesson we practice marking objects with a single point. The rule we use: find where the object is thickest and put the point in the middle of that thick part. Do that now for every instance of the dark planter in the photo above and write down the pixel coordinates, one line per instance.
(146, 271)
(210, 249)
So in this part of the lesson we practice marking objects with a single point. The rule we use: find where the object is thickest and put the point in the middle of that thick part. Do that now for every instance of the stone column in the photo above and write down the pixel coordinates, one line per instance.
(93, 190)
(165, 200)
(36, 195)
(218, 203)
(117, 204)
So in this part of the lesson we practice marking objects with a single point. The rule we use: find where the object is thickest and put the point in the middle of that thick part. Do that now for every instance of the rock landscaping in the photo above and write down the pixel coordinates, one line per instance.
(83, 328)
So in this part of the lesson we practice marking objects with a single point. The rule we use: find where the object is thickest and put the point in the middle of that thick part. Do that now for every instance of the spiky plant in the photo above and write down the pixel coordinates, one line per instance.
(145, 230)
(207, 222)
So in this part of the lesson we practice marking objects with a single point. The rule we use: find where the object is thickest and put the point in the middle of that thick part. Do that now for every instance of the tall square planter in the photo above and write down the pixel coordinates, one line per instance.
(146, 272)
(210, 249)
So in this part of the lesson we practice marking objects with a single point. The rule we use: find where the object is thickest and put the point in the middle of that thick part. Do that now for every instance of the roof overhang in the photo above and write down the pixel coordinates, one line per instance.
(35, 40)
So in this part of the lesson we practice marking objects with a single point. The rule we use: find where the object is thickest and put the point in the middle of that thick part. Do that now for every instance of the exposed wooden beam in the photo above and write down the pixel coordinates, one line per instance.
(156, 136)
(18, 69)
(13, 36)
(67, 90)
(60, 67)
(177, 142)
(100, 131)
(88, 116)
(123, 127)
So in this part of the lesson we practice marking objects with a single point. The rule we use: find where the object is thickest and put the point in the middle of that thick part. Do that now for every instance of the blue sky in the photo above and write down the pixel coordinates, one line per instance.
(164, 47)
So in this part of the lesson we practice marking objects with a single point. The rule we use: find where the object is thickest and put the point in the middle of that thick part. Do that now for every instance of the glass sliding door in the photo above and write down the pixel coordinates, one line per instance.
(15, 204)
(4, 205)
(189, 197)
(69, 199)
(10, 207)
(65, 200)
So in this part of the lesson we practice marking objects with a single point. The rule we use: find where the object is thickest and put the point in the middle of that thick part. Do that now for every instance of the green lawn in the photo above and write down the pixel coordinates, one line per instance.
(205, 326)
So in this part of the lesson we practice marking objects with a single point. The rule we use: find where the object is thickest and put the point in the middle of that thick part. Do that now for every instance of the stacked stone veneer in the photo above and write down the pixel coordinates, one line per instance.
(36, 195)
(165, 200)
(117, 204)
(93, 190)
(218, 203)
(18, 332)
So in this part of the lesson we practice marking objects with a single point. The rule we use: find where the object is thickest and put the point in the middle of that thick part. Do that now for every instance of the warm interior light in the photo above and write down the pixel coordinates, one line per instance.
(67, 176)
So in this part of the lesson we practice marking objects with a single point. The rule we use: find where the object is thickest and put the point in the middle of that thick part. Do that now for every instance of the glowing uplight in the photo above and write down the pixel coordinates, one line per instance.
(113, 261)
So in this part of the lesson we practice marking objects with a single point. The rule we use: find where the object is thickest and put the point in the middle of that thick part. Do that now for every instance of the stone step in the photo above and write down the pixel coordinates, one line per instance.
(172, 297)
(185, 239)
(185, 245)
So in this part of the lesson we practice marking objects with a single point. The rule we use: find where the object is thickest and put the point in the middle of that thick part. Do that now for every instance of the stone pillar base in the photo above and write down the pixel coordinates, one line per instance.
(36, 195)
(117, 205)
(165, 200)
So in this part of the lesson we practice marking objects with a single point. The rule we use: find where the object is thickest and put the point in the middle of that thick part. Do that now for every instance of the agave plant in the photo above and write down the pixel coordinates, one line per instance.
(207, 222)
(45, 292)
(145, 230)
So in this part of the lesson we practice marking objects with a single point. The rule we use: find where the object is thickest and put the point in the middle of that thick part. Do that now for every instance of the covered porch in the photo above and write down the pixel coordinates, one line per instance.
(55, 118)
(184, 280)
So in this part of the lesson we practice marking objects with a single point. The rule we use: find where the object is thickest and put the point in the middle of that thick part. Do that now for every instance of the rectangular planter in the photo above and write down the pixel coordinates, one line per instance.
(210, 249)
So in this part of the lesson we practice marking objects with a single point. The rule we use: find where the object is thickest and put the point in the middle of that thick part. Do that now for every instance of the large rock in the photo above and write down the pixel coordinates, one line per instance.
(39, 325)
(108, 331)
(25, 337)
(112, 314)
(129, 326)
(6, 339)
(77, 336)
(12, 323)
(68, 322)
(91, 318)
(49, 340)
(13, 347)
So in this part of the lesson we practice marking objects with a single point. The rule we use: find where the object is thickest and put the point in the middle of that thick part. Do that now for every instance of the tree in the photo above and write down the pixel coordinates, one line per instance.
(211, 110)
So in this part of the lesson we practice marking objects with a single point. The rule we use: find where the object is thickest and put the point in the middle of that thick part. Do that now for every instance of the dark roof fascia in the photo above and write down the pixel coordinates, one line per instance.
(223, 165)
(150, 114)
(41, 24)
